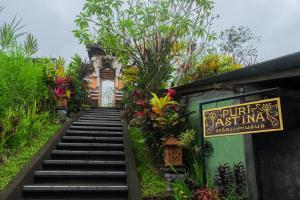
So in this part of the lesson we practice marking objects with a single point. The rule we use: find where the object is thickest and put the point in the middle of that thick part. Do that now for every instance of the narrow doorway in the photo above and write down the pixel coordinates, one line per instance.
(108, 91)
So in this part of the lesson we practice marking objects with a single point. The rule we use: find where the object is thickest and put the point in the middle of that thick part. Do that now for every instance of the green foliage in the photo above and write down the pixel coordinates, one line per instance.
(30, 45)
(186, 138)
(14, 163)
(24, 98)
(30, 124)
(209, 65)
(181, 191)
(21, 81)
(239, 43)
(9, 33)
(78, 70)
(231, 182)
(152, 182)
(144, 34)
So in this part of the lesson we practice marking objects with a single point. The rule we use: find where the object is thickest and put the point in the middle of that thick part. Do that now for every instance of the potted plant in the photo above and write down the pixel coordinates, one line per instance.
(62, 90)
(166, 116)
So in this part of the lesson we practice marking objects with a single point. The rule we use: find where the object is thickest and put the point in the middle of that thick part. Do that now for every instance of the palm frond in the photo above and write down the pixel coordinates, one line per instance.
(30, 45)
(10, 32)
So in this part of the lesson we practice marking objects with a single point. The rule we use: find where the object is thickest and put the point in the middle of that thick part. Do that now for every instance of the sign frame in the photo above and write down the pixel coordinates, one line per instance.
(281, 128)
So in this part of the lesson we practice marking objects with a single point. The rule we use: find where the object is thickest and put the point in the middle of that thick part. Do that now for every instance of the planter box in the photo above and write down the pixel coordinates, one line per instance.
(63, 102)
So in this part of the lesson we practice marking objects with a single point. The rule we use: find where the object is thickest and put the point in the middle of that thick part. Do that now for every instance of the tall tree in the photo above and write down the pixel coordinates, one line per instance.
(239, 42)
(154, 35)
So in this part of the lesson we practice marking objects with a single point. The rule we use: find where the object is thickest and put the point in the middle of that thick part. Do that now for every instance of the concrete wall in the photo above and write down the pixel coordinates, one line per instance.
(227, 149)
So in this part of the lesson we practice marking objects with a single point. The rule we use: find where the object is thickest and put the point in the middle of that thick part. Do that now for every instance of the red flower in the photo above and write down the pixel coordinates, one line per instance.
(171, 93)
(68, 79)
(59, 81)
(139, 114)
(59, 92)
(140, 102)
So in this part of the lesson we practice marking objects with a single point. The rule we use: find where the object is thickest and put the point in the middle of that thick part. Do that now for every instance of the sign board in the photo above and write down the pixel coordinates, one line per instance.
(253, 117)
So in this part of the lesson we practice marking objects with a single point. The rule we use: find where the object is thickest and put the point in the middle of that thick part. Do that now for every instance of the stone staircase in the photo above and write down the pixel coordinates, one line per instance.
(88, 162)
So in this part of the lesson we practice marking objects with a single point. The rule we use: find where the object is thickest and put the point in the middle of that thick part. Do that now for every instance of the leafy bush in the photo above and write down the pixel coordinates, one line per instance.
(23, 99)
(209, 65)
(181, 190)
(206, 194)
(14, 163)
(231, 182)
(152, 182)
(21, 81)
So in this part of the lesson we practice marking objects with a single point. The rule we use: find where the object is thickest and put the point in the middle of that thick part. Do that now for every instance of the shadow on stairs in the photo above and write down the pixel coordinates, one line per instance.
(90, 158)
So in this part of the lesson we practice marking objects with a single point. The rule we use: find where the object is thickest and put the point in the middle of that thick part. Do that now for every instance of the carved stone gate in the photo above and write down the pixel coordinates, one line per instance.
(107, 70)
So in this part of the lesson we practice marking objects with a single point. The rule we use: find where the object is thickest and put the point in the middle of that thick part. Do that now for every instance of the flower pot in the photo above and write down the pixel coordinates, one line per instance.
(63, 102)
(172, 152)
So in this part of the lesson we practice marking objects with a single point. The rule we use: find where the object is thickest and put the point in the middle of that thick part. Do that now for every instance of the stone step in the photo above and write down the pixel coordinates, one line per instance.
(94, 133)
(87, 155)
(88, 162)
(100, 121)
(84, 177)
(86, 139)
(75, 192)
(84, 165)
(102, 114)
(90, 123)
(100, 118)
(93, 128)
(89, 146)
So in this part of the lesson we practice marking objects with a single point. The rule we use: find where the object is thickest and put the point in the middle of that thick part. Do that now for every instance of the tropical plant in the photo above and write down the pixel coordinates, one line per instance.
(167, 115)
(240, 181)
(129, 76)
(150, 35)
(30, 45)
(160, 104)
(84, 70)
(181, 191)
(231, 182)
(78, 70)
(224, 180)
(9, 33)
(21, 80)
(206, 194)
(186, 138)
(210, 65)
(23, 99)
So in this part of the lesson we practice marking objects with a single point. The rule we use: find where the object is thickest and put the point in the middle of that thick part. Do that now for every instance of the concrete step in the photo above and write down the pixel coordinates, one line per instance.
(88, 162)
(104, 118)
(88, 155)
(95, 128)
(94, 133)
(101, 114)
(90, 146)
(90, 123)
(84, 177)
(84, 165)
(75, 192)
(86, 139)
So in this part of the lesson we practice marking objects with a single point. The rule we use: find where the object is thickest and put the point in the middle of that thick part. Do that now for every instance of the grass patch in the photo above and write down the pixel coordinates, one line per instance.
(152, 182)
(15, 162)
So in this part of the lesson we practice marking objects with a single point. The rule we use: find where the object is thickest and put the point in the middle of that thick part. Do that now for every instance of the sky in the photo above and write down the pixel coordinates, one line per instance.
(277, 22)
